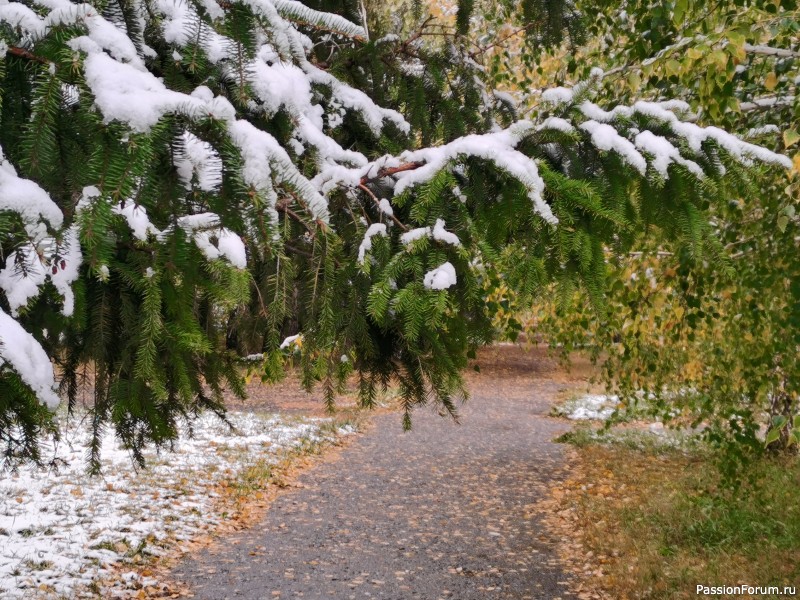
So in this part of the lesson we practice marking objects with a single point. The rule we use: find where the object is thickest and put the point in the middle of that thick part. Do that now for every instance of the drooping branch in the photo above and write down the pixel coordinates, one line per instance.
(297, 20)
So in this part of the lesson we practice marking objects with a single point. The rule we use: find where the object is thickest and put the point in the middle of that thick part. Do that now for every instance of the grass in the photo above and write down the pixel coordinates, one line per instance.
(38, 565)
(255, 477)
(654, 521)
(646, 440)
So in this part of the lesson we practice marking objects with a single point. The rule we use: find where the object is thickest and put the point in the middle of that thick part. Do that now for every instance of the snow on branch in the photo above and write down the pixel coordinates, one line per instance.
(298, 12)
(766, 103)
(441, 278)
(437, 232)
(496, 147)
(366, 243)
(26, 198)
(41, 257)
(20, 351)
(770, 51)
(610, 131)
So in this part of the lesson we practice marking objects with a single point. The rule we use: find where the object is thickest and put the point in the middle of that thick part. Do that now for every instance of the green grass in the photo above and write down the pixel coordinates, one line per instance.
(666, 522)
(585, 434)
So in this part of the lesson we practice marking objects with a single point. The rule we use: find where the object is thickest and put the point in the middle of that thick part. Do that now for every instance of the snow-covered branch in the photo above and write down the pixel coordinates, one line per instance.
(766, 103)
(770, 51)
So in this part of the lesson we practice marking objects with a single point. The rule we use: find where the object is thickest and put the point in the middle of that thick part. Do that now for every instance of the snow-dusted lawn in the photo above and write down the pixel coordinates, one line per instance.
(61, 531)
(638, 428)
(588, 407)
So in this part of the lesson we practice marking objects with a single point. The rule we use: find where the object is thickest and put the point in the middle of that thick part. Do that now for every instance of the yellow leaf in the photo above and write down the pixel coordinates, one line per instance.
(694, 53)
(719, 58)
(771, 81)
(790, 137)
(673, 67)
(796, 162)
(736, 38)
(735, 46)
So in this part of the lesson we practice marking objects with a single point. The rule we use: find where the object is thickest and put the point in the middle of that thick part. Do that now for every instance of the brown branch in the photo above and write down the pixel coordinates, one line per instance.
(22, 53)
(378, 204)
(297, 250)
(484, 49)
(283, 207)
(389, 171)
(414, 37)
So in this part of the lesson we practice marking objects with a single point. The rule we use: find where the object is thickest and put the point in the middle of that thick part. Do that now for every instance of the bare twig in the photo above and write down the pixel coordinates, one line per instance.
(377, 202)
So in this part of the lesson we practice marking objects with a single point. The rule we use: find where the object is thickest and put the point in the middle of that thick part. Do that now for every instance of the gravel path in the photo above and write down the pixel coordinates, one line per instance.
(443, 511)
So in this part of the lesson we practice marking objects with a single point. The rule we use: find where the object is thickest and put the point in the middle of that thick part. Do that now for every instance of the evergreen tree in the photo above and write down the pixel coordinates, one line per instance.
(187, 182)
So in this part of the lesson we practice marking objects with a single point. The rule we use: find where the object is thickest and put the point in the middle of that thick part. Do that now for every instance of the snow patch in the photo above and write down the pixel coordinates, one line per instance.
(63, 530)
(366, 243)
(440, 278)
(20, 350)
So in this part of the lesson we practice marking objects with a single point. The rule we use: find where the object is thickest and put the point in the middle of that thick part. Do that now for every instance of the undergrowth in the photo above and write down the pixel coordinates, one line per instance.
(658, 520)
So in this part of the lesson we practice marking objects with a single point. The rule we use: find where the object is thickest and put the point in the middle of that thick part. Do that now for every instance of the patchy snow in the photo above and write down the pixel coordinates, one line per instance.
(292, 340)
(366, 243)
(205, 229)
(137, 219)
(20, 350)
(411, 236)
(62, 530)
(589, 407)
(557, 95)
(498, 147)
(65, 268)
(23, 277)
(441, 278)
(102, 34)
(182, 26)
(25, 197)
(557, 124)
(663, 153)
(606, 138)
(437, 232)
(386, 207)
(197, 161)
(19, 16)
(440, 234)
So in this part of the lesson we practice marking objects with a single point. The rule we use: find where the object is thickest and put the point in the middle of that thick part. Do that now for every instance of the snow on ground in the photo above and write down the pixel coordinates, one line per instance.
(638, 428)
(62, 531)
(589, 407)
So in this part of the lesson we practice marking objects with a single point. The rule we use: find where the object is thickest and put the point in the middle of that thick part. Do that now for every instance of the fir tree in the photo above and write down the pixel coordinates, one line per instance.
(187, 182)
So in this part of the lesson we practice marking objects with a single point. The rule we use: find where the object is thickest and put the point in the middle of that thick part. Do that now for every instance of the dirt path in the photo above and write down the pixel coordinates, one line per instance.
(443, 511)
